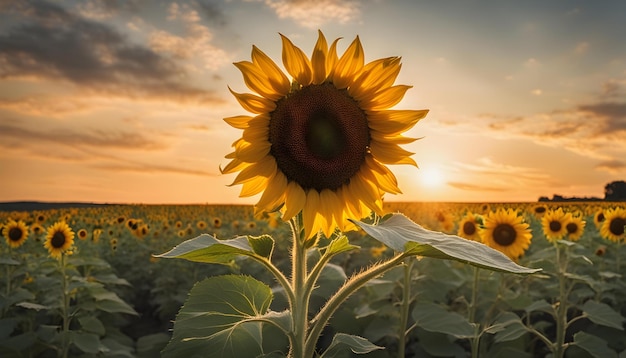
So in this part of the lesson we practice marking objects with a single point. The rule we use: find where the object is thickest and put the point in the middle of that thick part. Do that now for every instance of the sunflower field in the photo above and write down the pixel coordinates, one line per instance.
(86, 283)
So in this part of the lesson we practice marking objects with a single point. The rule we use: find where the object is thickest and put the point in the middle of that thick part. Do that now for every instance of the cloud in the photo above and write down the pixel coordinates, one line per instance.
(195, 44)
(594, 130)
(92, 148)
(612, 166)
(105, 9)
(497, 177)
(13, 135)
(315, 13)
(474, 187)
(52, 43)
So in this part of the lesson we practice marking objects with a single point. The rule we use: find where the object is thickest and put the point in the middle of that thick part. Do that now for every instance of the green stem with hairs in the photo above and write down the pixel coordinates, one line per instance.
(300, 305)
(475, 340)
(406, 303)
(561, 315)
(65, 309)
(354, 283)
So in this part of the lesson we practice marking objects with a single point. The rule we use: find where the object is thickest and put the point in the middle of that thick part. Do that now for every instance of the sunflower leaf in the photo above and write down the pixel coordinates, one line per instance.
(403, 235)
(228, 316)
(262, 245)
(208, 249)
(342, 342)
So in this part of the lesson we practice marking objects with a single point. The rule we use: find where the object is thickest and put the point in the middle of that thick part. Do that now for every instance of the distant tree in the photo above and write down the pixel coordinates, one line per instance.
(615, 191)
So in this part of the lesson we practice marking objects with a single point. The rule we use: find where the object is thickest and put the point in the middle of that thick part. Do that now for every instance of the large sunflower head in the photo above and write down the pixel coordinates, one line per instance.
(505, 231)
(59, 239)
(614, 225)
(318, 142)
(15, 233)
(553, 224)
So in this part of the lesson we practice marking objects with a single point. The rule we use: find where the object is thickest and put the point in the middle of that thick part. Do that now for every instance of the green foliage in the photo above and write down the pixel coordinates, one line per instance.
(226, 316)
(403, 235)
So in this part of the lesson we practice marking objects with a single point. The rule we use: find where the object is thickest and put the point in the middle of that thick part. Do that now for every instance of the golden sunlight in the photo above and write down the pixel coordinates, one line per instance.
(431, 177)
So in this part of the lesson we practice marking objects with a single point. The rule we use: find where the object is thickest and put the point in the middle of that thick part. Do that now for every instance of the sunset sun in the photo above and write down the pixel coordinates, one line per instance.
(432, 177)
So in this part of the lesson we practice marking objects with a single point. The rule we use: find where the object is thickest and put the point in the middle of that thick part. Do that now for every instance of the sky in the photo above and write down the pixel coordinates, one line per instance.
(115, 101)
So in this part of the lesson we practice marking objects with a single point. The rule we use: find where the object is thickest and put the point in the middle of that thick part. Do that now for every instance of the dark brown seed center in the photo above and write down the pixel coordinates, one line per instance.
(15, 234)
(469, 228)
(319, 137)
(616, 226)
(571, 228)
(555, 226)
(504, 234)
(58, 239)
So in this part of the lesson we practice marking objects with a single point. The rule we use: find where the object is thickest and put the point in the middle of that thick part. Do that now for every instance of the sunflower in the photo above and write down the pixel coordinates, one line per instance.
(15, 233)
(539, 210)
(575, 227)
(613, 225)
(598, 218)
(445, 220)
(553, 224)
(469, 227)
(505, 231)
(59, 239)
(318, 144)
(82, 234)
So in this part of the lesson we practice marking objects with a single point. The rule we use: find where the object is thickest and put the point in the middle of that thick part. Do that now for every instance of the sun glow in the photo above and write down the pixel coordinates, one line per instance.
(431, 177)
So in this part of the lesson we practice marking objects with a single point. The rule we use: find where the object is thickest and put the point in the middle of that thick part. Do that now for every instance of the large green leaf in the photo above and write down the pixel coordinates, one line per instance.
(602, 314)
(403, 235)
(356, 344)
(596, 346)
(507, 327)
(208, 249)
(434, 318)
(225, 316)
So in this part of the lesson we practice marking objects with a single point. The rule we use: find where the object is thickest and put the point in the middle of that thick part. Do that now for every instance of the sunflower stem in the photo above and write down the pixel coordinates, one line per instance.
(561, 318)
(475, 340)
(65, 310)
(299, 307)
(406, 303)
(354, 283)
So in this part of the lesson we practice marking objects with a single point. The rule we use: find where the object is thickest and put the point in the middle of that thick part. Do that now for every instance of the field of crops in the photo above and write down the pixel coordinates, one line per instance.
(106, 295)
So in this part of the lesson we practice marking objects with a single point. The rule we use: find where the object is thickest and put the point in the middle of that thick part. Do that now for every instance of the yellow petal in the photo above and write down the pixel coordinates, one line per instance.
(253, 187)
(263, 168)
(350, 63)
(332, 210)
(239, 122)
(274, 194)
(234, 166)
(295, 198)
(252, 152)
(331, 59)
(252, 103)
(390, 153)
(396, 139)
(256, 80)
(277, 78)
(258, 130)
(318, 59)
(296, 62)
(312, 221)
(381, 175)
(390, 122)
(385, 98)
(366, 191)
(376, 76)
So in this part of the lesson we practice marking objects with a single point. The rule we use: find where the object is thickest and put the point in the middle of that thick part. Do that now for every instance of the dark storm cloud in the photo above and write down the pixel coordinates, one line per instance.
(52, 42)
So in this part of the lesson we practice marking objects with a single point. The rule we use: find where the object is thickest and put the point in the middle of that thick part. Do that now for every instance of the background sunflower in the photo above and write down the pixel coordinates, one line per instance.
(505, 231)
